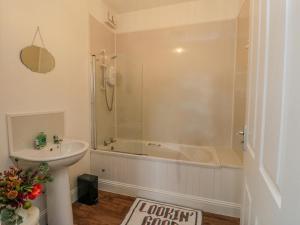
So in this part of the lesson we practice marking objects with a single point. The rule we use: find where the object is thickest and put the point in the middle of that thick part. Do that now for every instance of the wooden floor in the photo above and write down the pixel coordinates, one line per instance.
(112, 209)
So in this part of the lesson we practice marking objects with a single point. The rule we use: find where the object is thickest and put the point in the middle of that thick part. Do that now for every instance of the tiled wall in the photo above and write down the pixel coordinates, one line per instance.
(24, 128)
(130, 94)
(187, 83)
(241, 77)
(163, 94)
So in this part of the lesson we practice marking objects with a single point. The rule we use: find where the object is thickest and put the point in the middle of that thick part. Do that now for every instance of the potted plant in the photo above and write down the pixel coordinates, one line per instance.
(18, 188)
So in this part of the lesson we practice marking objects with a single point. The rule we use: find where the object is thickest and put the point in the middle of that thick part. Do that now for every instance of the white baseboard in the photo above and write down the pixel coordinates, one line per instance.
(196, 202)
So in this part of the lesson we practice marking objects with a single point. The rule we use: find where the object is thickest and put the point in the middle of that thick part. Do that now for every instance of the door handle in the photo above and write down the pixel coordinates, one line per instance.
(241, 133)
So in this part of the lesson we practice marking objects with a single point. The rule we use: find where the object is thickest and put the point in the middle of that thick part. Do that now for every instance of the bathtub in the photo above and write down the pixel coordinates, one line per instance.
(168, 151)
(191, 176)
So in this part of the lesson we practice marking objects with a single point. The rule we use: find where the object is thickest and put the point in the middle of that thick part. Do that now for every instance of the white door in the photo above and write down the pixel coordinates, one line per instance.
(272, 151)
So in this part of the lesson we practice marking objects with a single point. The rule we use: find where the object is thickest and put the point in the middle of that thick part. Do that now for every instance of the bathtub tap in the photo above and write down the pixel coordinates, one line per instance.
(154, 144)
(109, 141)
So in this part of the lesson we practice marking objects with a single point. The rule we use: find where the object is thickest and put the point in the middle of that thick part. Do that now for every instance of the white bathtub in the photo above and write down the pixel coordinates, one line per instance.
(180, 153)
(185, 175)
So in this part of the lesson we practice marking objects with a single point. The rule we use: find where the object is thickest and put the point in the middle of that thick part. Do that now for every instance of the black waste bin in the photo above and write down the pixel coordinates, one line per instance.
(88, 189)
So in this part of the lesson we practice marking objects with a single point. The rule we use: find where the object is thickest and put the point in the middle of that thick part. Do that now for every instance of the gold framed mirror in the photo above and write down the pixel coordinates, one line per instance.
(37, 59)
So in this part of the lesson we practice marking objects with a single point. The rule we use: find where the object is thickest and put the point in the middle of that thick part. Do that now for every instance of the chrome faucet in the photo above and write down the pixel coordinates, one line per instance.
(106, 143)
(112, 140)
(109, 141)
(57, 140)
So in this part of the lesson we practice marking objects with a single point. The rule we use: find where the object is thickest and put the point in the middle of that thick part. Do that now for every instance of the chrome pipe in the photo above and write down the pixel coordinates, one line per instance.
(93, 104)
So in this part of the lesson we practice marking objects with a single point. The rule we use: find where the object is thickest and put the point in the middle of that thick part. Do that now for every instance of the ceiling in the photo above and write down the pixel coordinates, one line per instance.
(123, 6)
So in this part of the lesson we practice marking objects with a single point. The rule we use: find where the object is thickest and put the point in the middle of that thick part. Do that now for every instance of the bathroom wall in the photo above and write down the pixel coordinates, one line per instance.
(65, 28)
(102, 38)
(241, 77)
(130, 96)
(187, 74)
(67, 86)
(193, 12)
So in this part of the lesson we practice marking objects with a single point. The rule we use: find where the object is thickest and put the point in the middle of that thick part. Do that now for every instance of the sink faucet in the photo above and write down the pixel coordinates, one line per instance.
(57, 140)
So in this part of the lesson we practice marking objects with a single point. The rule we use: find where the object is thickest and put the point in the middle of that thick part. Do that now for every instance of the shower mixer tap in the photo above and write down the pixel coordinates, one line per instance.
(112, 140)
(109, 141)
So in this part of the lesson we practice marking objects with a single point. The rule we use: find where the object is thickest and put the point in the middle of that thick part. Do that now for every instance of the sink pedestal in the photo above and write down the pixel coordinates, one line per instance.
(59, 204)
(59, 157)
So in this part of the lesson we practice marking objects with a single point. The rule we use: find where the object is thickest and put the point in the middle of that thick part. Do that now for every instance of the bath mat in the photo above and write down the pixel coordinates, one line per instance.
(147, 212)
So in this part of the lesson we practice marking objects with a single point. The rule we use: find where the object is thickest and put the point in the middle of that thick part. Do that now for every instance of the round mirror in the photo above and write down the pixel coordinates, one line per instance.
(37, 59)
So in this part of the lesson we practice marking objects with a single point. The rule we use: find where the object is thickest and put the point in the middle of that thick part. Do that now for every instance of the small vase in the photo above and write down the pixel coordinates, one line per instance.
(20, 212)
(24, 213)
(30, 216)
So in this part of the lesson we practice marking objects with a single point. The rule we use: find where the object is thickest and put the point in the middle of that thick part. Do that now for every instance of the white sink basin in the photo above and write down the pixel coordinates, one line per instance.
(22, 131)
(56, 155)
(59, 157)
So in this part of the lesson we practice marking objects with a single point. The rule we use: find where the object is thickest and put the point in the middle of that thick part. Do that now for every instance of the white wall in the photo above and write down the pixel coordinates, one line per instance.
(64, 26)
(99, 9)
(241, 2)
(200, 11)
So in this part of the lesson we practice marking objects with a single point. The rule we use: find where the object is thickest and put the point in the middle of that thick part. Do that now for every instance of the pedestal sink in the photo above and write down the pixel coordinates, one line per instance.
(59, 157)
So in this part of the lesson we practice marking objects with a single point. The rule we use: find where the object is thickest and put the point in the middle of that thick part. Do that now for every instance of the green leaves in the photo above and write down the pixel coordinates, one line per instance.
(3, 183)
(26, 188)
(9, 217)
(16, 187)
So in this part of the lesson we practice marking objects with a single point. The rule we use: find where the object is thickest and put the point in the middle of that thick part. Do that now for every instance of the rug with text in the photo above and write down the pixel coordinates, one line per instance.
(147, 212)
